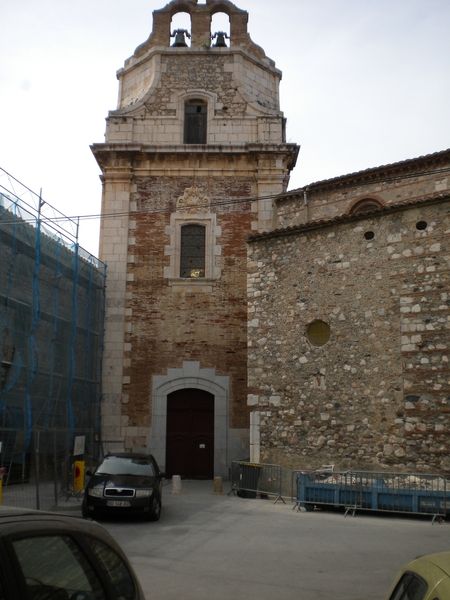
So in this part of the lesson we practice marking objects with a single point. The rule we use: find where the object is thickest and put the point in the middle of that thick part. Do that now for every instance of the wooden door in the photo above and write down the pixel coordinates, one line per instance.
(190, 434)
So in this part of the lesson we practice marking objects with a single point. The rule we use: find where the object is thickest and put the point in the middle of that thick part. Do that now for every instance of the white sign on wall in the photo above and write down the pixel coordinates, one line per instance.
(78, 445)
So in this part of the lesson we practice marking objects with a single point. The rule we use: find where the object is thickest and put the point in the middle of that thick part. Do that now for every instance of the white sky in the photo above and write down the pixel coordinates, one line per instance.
(365, 83)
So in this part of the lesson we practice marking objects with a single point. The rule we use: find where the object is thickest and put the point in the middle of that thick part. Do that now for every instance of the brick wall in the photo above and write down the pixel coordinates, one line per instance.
(173, 320)
(163, 332)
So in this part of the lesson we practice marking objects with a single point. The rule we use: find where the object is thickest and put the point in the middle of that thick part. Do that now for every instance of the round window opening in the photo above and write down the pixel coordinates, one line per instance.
(318, 332)
(369, 235)
(421, 225)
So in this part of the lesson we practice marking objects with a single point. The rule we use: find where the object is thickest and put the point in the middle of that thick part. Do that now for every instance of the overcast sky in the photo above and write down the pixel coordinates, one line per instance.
(365, 83)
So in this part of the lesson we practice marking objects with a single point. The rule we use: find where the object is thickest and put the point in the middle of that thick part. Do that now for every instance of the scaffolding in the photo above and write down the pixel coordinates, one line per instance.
(51, 332)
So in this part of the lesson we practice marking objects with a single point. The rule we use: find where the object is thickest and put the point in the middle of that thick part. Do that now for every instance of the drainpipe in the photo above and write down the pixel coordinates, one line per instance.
(306, 202)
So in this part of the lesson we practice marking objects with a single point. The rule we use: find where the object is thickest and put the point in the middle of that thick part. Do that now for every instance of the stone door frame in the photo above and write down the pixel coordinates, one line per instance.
(191, 376)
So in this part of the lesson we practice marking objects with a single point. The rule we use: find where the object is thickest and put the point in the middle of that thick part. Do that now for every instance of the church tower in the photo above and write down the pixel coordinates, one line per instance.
(193, 155)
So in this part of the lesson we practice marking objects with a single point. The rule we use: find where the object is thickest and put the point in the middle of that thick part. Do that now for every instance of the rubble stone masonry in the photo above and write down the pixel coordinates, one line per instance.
(387, 185)
(377, 394)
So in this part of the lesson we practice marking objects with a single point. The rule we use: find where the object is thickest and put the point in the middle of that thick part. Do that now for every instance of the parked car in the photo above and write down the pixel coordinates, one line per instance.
(426, 578)
(53, 556)
(124, 483)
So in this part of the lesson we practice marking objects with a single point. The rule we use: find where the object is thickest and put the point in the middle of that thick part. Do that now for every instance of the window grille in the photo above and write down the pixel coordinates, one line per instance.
(195, 117)
(192, 256)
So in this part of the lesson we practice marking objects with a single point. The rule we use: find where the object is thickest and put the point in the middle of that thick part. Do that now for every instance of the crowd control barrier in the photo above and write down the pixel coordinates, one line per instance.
(251, 479)
(364, 490)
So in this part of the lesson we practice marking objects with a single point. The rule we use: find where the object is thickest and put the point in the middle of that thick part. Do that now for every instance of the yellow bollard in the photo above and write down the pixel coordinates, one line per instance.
(78, 476)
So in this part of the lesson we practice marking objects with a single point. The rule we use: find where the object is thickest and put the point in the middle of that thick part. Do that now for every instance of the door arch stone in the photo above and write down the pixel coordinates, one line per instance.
(191, 376)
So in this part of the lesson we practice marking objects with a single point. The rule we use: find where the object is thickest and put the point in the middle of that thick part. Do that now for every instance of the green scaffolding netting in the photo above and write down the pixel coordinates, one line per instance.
(51, 326)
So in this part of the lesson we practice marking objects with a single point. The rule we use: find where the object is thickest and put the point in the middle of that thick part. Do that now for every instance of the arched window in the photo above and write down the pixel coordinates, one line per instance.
(195, 118)
(192, 253)
(365, 205)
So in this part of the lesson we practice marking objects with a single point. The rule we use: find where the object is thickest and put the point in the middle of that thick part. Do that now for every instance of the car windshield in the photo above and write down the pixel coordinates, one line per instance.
(121, 465)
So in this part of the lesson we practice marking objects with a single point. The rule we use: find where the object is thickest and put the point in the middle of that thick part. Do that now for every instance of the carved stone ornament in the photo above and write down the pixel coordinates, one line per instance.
(193, 200)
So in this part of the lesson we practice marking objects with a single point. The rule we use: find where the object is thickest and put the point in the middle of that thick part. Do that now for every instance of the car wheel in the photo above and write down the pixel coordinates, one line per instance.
(155, 509)
(88, 514)
(84, 511)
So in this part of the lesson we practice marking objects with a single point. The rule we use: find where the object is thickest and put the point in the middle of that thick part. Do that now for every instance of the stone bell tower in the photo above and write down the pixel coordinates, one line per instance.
(193, 154)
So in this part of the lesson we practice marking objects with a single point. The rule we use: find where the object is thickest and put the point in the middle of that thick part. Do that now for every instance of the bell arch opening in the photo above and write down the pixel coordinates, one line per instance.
(220, 30)
(180, 30)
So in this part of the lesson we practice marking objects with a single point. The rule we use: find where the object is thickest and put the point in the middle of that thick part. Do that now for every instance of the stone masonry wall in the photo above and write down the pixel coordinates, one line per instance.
(377, 394)
(239, 92)
(391, 186)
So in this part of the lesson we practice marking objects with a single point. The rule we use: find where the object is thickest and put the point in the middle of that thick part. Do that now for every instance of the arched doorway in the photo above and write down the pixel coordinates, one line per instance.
(190, 434)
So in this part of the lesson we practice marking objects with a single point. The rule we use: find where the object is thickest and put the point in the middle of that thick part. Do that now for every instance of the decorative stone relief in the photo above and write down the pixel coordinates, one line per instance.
(193, 198)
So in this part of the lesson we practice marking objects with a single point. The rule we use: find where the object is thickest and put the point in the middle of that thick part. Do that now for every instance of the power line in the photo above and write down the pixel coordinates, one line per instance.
(226, 202)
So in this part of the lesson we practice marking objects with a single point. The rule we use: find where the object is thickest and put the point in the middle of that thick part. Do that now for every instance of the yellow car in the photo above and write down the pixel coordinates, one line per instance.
(426, 578)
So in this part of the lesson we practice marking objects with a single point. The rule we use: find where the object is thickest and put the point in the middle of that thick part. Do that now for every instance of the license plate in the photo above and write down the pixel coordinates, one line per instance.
(118, 503)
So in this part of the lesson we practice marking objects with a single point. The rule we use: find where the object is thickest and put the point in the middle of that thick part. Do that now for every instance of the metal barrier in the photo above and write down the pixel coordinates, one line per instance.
(250, 479)
(378, 491)
(40, 475)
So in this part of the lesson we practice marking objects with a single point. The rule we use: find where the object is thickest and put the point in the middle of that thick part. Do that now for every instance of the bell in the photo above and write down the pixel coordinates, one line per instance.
(220, 42)
(180, 40)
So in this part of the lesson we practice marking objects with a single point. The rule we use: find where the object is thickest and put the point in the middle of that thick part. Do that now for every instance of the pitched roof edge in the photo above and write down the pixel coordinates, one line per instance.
(368, 174)
(348, 218)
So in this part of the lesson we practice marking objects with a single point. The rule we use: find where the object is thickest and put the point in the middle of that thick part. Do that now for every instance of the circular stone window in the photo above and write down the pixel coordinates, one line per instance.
(318, 332)
(421, 225)
(369, 235)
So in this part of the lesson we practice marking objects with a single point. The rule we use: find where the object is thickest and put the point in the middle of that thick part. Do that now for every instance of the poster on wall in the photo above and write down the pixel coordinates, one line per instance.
(78, 445)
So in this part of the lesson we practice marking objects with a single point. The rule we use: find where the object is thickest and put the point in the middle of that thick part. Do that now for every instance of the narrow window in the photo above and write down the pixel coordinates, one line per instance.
(195, 122)
(192, 256)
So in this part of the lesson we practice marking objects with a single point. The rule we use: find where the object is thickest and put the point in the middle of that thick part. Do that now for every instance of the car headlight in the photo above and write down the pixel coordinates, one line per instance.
(144, 493)
(96, 492)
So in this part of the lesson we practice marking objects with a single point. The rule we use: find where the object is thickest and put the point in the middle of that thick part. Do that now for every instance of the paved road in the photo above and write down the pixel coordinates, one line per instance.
(209, 547)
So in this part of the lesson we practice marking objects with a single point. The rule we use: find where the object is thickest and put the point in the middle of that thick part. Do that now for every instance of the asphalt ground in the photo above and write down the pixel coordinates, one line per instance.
(217, 547)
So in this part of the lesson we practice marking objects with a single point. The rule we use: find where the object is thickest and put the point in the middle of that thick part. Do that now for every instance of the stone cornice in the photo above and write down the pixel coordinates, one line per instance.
(102, 152)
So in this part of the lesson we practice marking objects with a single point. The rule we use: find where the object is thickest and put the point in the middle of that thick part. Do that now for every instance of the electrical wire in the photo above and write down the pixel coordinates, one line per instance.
(226, 202)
